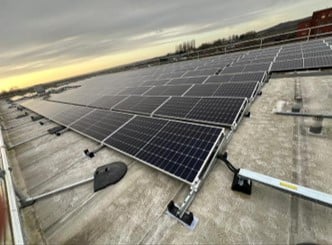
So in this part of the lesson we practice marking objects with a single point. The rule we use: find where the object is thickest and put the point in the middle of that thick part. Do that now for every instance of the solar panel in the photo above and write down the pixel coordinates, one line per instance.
(135, 134)
(317, 54)
(168, 90)
(316, 49)
(318, 62)
(155, 82)
(222, 111)
(202, 90)
(140, 104)
(219, 78)
(100, 124)
(252, 76)
(45, 108)
(257, 67)
(292, 56)
(262, 60)
(172, 74)
(177, 107)
(219, 111)
(134, 91)
(106, 102)
(242, 62)
(233, 69)
(205, 72)
(178, 149)
(287, 65)
(246, 89)
(71, 115)
(188, 80)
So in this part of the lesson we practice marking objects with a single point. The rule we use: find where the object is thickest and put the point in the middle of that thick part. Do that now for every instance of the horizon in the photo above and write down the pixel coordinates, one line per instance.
(54, 42)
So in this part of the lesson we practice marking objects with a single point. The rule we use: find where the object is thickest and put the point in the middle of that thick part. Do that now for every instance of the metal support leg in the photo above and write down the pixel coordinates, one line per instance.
(61, 132)
(29, 201)
(91, 154)
(43, 122)
(187, 202)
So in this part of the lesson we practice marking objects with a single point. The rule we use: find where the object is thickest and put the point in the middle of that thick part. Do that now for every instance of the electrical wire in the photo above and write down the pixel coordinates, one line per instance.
(230, 166)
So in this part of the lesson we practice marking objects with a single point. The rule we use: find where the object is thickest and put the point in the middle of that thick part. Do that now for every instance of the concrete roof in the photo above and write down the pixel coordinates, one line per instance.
(133, 210)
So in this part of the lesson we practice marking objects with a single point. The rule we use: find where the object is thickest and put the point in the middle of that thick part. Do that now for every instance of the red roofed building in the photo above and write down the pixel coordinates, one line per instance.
(320, 17)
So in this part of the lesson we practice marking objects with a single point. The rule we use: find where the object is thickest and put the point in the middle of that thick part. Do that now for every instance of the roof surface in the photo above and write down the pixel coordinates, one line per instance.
(133, 210)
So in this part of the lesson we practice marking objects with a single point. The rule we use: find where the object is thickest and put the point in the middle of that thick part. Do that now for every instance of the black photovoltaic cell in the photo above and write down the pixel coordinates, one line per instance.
(177, 107)
(221, 111)
(100, 124)
(140, 104)
(252, 76)
(168, 90)
(155, 82)
(289, 57)
(205, 72)
(219, 78)
(238, 89)
(188, 80)
(45, 108)
(287, 65)
(317, 62)
(233, 69)
(134, 91)
(171, 74)
(257, 67)
(317, 54)
(106, 102)
(242, 62)
(180, 149)
(202, 90)
(135, 134)
(69, 116)
(262, 60)
(316, 49)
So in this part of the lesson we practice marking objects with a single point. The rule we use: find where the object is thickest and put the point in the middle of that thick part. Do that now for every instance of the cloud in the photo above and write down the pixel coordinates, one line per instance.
(42, 34)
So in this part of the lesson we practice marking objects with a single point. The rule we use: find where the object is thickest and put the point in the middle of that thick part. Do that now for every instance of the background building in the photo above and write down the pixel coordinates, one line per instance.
(318, 18)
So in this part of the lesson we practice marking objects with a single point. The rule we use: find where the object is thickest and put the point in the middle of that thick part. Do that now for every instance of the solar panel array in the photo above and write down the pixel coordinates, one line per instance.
(304, 55)
(170, 117)
(178, 149)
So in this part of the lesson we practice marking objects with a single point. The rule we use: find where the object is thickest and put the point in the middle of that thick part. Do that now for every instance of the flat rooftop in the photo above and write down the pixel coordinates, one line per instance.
(133, 210)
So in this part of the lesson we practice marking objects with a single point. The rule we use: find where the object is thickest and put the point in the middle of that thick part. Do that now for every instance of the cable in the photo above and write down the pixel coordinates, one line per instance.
(229, 165)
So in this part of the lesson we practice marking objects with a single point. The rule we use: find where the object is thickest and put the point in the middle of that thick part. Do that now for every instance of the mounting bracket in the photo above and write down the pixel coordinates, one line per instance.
(92, 154)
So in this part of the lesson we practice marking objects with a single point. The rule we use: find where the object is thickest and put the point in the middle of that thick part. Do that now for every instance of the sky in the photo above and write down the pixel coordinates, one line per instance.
(43, 40)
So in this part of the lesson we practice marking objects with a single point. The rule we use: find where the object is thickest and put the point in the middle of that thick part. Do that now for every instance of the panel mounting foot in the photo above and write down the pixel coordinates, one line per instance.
(241, 185)
(92, 154)
(187, 219)
(26, 203)
(55, 129)
(247, 114)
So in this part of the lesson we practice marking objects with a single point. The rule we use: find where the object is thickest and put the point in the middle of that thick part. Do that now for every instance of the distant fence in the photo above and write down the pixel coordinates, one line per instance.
(256, 43)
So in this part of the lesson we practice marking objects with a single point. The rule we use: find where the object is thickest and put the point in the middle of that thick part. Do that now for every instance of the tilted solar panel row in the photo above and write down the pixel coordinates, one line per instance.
(241, 77)
(216, 111)
(238, 89)
(178, 149)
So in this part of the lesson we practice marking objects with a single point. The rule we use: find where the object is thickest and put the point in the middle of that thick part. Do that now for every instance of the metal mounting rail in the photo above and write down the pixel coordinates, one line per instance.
(28, 201)
(307, 193)
(303, 114)
(13, 210)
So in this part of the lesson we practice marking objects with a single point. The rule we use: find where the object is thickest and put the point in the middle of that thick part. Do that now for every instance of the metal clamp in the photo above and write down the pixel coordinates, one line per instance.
(91, 154)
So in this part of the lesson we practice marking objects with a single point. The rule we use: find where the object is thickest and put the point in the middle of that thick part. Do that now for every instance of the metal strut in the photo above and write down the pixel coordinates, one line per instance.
(91, 154)
(180, 212)
(243, 178)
